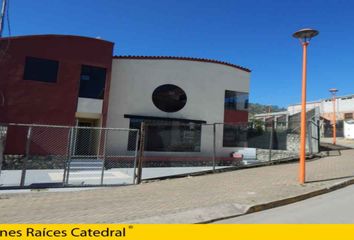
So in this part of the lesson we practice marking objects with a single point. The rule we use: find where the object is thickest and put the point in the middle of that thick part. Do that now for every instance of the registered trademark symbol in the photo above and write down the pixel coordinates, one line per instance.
(130, 226)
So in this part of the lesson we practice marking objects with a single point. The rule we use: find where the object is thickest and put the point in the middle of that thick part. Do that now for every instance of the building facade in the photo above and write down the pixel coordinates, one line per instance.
(55, 80)
(344, 107)
(76, 81)
(176, 97)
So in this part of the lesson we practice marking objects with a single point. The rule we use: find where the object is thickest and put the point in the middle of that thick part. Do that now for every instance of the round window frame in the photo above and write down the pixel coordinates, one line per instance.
(169, 108)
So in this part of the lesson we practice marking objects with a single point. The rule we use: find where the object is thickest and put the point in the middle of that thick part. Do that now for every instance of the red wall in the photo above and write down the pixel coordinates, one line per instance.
(234, 116)
(25, 101)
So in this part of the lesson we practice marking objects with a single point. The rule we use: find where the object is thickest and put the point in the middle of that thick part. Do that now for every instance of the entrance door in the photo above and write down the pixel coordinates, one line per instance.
(85, 138)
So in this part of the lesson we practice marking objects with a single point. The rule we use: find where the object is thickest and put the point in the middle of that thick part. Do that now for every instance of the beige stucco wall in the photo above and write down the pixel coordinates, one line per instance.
(134, 80)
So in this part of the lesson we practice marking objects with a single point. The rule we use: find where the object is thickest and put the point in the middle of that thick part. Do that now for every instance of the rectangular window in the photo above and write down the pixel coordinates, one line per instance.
(236, 100)
(236, 110)
(92, 82)
(39, 69)
(167, 136)
(348, 116)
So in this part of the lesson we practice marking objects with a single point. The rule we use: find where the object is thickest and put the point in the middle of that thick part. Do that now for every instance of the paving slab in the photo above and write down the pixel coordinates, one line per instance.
(183, 200)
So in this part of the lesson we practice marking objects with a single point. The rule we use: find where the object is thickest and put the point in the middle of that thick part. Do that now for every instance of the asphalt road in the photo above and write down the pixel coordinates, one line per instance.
(334, 207)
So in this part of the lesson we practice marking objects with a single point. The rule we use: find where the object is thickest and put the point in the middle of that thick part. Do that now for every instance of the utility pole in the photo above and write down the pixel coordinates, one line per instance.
(334, 129)
(2, 16)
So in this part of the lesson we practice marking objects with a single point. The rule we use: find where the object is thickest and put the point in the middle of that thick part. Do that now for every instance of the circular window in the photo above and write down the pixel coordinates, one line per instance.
(169, 98)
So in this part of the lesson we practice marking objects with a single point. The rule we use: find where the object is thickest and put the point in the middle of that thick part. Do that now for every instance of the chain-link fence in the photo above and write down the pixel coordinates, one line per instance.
(265, 142)
(173, 148)
(36, 155)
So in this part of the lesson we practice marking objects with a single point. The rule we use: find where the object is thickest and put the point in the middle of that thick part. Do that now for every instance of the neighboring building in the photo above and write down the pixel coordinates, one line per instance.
(344, 107)
(323, 109)
(72, 80)
(344, 112)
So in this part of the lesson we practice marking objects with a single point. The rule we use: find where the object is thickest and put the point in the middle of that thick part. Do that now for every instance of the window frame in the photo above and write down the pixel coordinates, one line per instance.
(233, 105)
(156, 99)
(82, 93)
(25, 70)
(169, 126)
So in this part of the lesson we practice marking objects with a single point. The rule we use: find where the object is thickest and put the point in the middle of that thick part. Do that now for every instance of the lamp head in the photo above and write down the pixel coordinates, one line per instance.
(333, 90)
(305, 35)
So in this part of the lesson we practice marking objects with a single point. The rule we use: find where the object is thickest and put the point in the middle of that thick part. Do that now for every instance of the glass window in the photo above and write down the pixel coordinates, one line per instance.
(234, 136)
(236, 100)
(39, 69)
(168, 136)
(92, 82)
(169, 98)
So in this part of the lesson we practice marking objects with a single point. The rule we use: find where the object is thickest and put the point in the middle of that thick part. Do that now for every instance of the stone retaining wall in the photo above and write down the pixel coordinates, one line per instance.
(15, 162)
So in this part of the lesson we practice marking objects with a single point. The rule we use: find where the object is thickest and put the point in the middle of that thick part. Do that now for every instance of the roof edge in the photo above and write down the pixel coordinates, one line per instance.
(54, 35)
(183, 58)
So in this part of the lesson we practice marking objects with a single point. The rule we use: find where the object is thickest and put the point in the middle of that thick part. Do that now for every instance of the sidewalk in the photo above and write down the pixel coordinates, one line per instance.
(340, 141)
(183, 200)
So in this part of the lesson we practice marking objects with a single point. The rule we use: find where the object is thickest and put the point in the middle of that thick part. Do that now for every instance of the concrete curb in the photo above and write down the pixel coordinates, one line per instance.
(197, 215)
(286, 201)
(231, 210)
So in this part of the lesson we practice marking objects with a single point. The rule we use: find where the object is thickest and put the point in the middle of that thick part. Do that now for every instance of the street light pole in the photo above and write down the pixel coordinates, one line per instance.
(303, 115)
(334, 129)
(304, 35)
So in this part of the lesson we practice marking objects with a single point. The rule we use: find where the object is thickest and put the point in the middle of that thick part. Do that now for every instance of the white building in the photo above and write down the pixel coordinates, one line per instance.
(174, 96)
(344, 106)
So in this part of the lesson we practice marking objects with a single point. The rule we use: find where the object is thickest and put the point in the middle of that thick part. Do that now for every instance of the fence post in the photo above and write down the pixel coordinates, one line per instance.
(214, 146)
(309, 136)
(141, 154)
(99, 145)
(136, 154)
(24, 165)
(104, 154)
(271, 141)
(3, 130)
(318, 135)
(66, 164)
(71, 150)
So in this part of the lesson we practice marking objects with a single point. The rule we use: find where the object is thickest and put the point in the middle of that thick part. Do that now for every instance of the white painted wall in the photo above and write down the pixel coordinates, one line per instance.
(349, 129)
(134, 80)
(89, 105)
(343, 105)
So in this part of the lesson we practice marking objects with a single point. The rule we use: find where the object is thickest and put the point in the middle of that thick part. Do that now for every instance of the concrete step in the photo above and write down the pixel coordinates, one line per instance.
(86, 165)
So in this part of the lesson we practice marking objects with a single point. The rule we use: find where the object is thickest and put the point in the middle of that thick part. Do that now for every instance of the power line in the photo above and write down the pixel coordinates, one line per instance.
(8, 17)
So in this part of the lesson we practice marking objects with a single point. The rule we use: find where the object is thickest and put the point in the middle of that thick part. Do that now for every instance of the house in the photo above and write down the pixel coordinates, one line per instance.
(76, 81)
